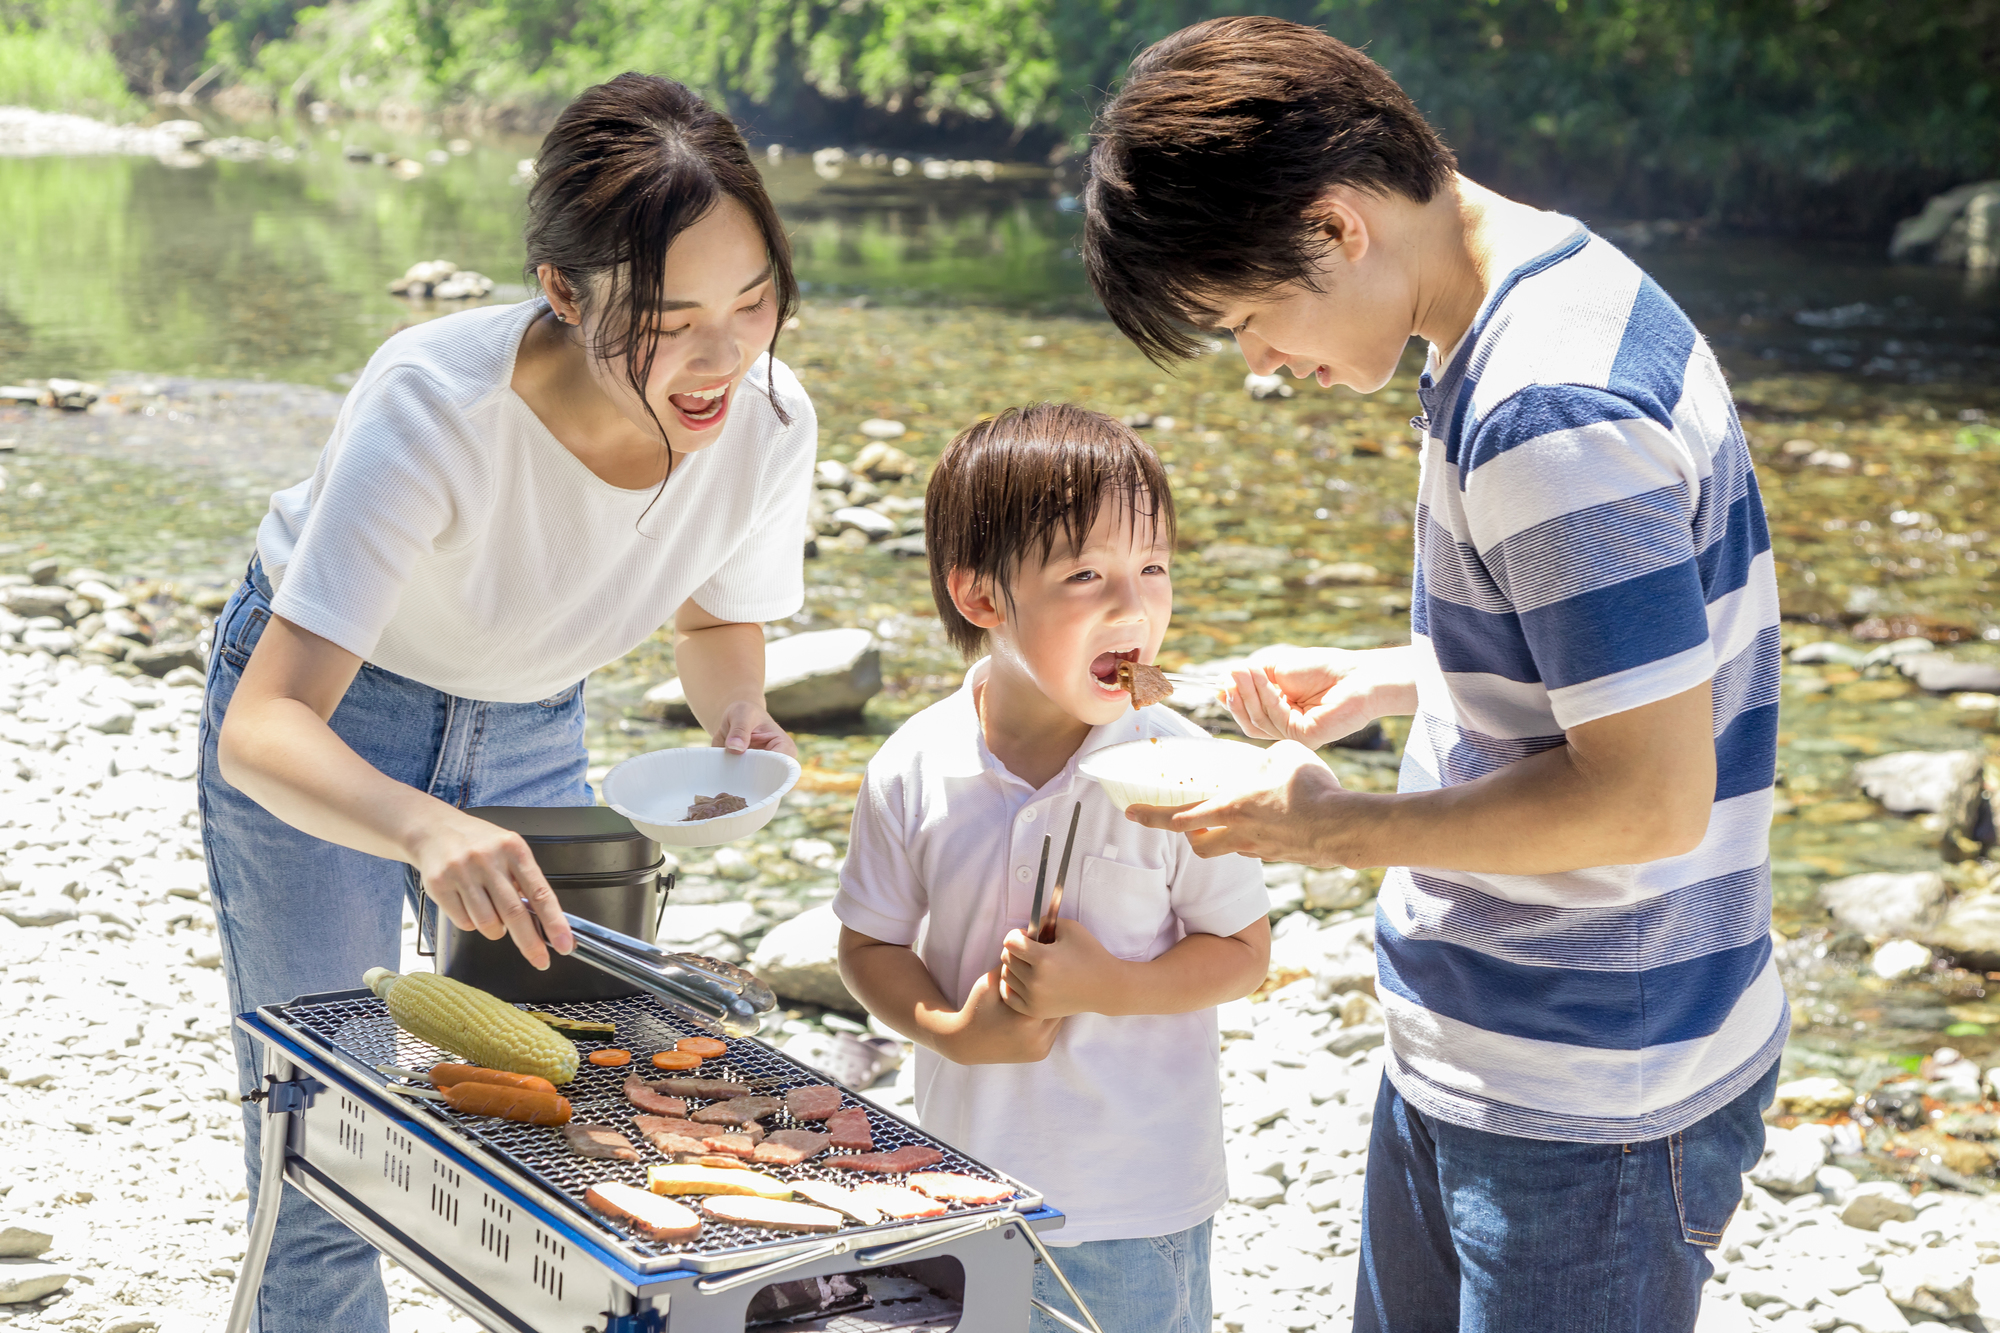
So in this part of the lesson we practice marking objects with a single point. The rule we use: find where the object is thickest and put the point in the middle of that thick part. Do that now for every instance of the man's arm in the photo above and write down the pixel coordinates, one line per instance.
(1075, 974)
(1632, 787)
(897, 988)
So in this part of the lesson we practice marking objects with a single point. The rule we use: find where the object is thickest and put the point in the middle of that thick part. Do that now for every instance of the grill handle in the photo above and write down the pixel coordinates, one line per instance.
(709, 1286)
(715, 994)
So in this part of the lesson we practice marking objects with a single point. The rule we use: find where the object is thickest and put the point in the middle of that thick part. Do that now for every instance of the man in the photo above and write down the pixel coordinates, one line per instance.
(1573, 938)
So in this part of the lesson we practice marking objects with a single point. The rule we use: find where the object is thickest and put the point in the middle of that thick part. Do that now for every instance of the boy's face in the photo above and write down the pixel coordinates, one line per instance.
(1077, 615)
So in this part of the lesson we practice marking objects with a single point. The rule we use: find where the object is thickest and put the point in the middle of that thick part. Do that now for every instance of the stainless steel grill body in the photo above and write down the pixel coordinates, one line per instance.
(492, 1213)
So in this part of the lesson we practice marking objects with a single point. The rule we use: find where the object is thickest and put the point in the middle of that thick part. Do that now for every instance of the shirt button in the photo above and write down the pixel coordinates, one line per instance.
(1028, 815)
(1021, 873)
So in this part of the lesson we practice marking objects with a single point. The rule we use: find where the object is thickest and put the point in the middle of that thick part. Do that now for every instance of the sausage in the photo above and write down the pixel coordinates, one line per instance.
(446, 1075)
(529, 1106)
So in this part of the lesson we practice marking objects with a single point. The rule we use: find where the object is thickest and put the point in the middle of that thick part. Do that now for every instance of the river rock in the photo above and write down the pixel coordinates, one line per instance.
(1969, 930)
(691, 923)
(1870, 1204)
(1944, 232)
(1897, 959)
(30, 600)
(46, 911)
(24, 1280)
(1936, 1281)
(158, 661)
(18, 1240)
(1814, 1097)
(1941, 673)
(864, 521)
(807, 678)
(1884, 903)
(800, 960)
(1792, 1158)
(1263, 387)
(884, 462)
(1922, 781)
(1868, 1310)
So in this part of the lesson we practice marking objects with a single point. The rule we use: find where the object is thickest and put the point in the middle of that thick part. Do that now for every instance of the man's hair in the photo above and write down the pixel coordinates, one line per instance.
(1010, 487)
(1208, 162)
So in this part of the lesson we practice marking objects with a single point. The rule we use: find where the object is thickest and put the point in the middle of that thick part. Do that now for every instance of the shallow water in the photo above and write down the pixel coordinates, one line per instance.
(934, 301)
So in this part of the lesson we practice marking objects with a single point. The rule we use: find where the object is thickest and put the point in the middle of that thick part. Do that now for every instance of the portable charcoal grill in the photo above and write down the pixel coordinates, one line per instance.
(491, 1213)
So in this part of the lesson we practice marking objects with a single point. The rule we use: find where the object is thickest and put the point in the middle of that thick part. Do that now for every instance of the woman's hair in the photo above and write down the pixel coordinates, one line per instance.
(1009, 487)
(1207, 165)
(629, 166)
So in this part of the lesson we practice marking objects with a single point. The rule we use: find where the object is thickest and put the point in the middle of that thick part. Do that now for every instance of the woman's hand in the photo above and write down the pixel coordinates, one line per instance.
(746, 726)
(1315, 696)
(484, 878)
(1292, 814)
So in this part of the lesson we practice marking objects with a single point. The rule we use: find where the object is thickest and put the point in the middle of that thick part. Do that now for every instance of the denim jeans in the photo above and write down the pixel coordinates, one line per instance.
(1156, 1284)
(1463, 1231)
(298, 915)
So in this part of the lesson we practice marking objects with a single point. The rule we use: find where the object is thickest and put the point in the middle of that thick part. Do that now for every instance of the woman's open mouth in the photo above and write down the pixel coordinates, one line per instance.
(701, 409)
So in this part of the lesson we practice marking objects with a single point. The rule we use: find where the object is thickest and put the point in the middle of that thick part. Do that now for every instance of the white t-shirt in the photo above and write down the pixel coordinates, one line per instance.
(447, 536)
(1121, 1126)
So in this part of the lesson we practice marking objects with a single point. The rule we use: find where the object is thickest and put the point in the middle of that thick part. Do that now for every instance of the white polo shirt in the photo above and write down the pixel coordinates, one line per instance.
(1121, 1126)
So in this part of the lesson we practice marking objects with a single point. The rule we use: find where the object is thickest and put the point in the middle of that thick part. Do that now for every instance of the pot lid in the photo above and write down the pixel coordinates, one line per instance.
(576, 839)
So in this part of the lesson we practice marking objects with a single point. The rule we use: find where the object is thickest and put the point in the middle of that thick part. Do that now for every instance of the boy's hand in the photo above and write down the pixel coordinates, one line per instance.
(1315, 696)
(1069, 976)
(992, 1033)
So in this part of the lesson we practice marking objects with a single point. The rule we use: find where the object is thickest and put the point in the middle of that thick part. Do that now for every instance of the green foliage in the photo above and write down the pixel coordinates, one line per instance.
(52, 71)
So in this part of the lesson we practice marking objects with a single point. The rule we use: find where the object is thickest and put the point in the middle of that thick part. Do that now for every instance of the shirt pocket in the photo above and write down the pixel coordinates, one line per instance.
(1126, 907)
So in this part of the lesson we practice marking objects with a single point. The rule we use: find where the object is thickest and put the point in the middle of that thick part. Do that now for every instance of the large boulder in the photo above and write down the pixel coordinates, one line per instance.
(1941, 673)
(1960, 226)
(800, 961)
(1969, 930)
(1882, 904)
(811, 677)
(1923, 781)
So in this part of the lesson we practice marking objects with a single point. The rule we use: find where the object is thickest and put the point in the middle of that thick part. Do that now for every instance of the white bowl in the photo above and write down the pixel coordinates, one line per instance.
(1173, 770)
(654, 790)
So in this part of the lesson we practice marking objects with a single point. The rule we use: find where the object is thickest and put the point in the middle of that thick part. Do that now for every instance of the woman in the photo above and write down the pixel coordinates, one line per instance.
(511, 497)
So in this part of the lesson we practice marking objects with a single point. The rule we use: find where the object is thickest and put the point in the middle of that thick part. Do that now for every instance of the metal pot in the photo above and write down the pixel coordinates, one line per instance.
(602, 870)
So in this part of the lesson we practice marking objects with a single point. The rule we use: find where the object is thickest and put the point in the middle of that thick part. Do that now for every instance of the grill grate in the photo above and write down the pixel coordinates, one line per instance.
(361, 1029)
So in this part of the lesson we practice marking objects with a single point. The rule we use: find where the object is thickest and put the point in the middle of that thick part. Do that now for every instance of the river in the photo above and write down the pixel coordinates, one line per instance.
(229, 302)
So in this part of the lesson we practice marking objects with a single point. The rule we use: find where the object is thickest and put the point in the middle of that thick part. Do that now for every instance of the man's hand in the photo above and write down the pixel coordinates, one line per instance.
(989, 1032)
(1290, 815)
(1069, 976)
(1315, 696)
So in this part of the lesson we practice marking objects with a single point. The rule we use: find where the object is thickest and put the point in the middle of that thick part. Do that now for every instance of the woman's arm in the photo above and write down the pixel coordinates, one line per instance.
(1076, 975)
(896, 987)
(722, 670)
(276, 748)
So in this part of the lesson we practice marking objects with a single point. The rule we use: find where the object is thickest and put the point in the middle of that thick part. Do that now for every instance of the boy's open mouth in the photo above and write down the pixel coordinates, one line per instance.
(1105, 665)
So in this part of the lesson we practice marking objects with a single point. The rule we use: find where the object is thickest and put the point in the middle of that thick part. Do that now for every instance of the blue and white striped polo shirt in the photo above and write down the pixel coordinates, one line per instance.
(1589, 540)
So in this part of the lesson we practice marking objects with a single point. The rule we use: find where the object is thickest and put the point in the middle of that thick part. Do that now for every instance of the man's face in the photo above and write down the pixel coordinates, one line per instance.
(1348, 326)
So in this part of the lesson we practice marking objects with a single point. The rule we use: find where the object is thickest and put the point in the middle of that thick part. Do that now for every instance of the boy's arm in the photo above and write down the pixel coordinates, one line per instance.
(1076, 974)
(897, 988)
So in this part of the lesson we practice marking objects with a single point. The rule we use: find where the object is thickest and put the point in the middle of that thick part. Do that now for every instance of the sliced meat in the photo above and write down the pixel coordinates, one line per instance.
(732, 1145)
(912, 1158)
(1146, 683)
(599, 1141)
(777, 1214)
(714, 807)
(896, 1201)
(708, 1089)
(814, 1103)
(648, 1214)
(671, 1136)
(952, 1187)
(656, 1098)
(738, 1111)
(838, 1197)
(789, 1147)
(850, 1130)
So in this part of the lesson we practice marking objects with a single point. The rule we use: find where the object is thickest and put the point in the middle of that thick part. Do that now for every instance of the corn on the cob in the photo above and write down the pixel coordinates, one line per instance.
(468, 1022)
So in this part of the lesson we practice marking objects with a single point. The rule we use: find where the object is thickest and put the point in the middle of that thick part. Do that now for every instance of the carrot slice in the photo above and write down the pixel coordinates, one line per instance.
(705, 1047)
(610, 1059)
(675, 1060)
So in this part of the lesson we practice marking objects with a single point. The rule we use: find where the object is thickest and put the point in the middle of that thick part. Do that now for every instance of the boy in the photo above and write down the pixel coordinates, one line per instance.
(1573, 948)
(1088, 1064)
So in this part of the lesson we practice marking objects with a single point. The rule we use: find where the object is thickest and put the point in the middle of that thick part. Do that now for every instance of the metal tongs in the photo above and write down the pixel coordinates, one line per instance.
(708, 991)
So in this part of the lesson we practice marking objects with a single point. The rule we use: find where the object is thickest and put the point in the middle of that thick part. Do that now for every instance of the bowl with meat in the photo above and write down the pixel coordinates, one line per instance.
(702, 795)
(1172, 770)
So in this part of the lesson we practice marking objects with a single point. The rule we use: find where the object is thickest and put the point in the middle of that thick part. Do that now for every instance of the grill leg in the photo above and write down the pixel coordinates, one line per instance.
(270, 1194)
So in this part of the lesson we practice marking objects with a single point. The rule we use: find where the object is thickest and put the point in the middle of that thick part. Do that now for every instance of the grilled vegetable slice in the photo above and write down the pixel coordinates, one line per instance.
(610, 1058)
(672, 1060)
(705, 1047)
(467, 1021)
(577, 1028)
(648, 1214)
(775, 1214)
(680, 1179)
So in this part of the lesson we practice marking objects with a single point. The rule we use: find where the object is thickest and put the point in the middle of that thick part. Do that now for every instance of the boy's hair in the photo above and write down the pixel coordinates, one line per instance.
(1011, 486)
(1207, 162)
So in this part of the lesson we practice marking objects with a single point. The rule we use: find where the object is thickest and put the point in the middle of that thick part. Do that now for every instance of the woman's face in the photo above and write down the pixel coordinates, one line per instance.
(716, 314)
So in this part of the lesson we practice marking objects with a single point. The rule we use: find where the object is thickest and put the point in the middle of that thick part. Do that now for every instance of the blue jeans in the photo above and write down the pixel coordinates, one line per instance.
(1463, 1231)
(1156, 1284)
(298, 915)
